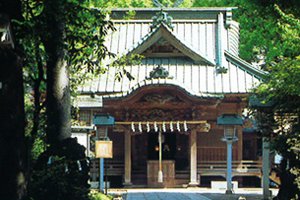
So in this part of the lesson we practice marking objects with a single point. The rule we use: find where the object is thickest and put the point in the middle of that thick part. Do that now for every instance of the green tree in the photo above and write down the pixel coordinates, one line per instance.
(281, 87)
(259, 33)
(56, 38)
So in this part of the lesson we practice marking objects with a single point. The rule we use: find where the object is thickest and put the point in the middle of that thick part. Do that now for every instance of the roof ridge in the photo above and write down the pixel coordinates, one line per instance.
(247, 66)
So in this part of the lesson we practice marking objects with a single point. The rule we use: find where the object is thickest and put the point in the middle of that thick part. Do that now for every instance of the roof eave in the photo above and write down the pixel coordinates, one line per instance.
(247, 66)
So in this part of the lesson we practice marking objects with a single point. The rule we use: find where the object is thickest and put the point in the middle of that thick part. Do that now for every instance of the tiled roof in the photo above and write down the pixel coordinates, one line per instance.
(198, 34)
(196, 79)
(195, 38)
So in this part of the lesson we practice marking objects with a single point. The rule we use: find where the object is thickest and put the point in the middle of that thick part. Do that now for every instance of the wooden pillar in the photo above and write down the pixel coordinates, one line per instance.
(127, 140)
(240, 143)
(193, 158)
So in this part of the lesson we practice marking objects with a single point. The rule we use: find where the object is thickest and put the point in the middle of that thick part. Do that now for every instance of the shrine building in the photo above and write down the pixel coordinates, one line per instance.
(189, 87)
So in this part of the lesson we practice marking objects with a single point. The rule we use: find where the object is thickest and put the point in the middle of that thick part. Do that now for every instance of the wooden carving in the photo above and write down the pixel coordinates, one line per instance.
(157, 114)
(159, 98)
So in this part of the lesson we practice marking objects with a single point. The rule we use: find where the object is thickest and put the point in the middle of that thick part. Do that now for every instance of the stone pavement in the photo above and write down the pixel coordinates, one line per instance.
(165, 196)
(189, 194)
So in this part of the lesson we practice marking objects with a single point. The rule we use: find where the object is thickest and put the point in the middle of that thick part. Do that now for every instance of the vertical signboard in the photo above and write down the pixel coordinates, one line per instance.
(104, 149)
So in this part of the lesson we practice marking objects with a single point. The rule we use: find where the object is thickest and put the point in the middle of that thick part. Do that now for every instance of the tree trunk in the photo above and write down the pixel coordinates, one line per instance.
(12, 140)
(58, 91)
(58, 101)
(66, 178)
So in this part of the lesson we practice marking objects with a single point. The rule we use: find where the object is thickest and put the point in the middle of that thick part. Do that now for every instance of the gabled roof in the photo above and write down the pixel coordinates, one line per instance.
(162, 31)
(195, 36)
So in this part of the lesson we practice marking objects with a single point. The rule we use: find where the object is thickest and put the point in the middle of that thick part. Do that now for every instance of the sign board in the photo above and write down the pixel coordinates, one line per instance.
(104, 149)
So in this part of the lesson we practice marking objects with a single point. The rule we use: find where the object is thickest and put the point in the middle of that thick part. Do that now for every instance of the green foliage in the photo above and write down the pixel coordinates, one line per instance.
(122, 3)
(257, 23)
(140, 3)
(282, 83)
(56, 169)
(38, 147)
(290, 28)
(86, 28)
(82, 37)
(281, 86)
(85, 35)
(120, 62)
(98, 196)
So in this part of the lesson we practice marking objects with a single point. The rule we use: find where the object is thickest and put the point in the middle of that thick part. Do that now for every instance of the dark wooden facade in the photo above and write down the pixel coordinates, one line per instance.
(170, 103)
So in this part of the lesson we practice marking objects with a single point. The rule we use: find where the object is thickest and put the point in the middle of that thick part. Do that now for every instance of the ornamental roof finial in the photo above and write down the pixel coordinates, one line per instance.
(162, 17)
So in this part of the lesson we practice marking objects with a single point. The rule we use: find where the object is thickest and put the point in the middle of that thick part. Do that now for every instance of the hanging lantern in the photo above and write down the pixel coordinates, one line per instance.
(229, 123)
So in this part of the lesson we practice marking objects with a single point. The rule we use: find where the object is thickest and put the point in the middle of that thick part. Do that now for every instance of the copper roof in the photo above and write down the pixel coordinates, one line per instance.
(196, 38)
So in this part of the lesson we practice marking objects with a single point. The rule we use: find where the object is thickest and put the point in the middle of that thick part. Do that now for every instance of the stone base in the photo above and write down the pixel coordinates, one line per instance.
(193, 184)
(267, 195)
(228, 192)
(127, 185)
